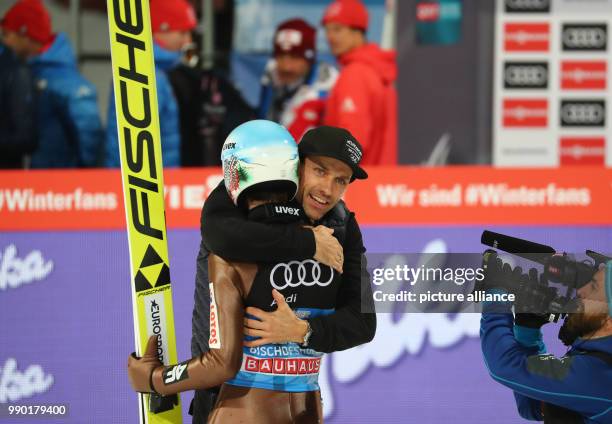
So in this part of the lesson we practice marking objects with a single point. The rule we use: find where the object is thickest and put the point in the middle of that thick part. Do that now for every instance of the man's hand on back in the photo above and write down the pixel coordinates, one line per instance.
(280, 326)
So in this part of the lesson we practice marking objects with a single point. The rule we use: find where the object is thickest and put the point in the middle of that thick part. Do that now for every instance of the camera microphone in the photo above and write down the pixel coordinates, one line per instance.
(525, 249)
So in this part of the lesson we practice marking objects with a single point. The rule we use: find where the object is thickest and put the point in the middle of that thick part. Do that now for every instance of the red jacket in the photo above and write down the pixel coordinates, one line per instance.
(364, 101)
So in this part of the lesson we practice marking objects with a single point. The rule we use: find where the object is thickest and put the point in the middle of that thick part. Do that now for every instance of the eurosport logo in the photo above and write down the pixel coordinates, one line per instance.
(156, 323)
(295, 273)
(585, 37)
(525, 113)
(527, 6)
(584, 75)
(582, 151)
(526, 37)
(583, 113)
(525, 75)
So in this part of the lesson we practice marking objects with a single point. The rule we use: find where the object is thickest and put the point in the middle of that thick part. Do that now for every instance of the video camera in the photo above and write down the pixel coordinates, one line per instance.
(538, 292)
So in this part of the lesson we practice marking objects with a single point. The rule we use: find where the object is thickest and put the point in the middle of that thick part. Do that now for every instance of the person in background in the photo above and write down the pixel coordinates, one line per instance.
(363, 100)
(171, 23)
(295, 85)
(210, 107)
(573, 389)
(17, 123)
(67, 119)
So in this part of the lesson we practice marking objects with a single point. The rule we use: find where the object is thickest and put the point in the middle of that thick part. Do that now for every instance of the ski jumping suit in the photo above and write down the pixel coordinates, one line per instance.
(227, 231)
(274, 383)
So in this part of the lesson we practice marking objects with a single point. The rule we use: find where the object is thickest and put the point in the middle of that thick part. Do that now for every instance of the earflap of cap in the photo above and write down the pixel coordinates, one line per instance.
(608, 284)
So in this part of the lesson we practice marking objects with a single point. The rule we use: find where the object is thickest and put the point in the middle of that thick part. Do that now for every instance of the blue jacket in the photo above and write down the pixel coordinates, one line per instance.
(168, 112)
(70, 133)
(579, 382)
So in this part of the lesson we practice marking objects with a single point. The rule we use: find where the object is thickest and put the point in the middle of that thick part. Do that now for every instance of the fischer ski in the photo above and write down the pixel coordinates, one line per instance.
(135, 92)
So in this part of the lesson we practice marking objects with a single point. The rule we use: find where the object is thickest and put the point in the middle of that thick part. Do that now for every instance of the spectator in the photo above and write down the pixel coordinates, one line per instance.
(17, 131)
(364, 100)
(295, 85)
(171, 23)
(69, 130)
(210, 107)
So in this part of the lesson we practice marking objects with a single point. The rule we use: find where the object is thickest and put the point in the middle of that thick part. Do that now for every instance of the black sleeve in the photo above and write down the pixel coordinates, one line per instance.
(227, 232)
(348, 326)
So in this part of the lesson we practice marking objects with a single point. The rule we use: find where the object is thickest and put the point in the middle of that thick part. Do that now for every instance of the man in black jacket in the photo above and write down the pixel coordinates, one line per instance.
(17, 134)
(329, 161)
(210, 107)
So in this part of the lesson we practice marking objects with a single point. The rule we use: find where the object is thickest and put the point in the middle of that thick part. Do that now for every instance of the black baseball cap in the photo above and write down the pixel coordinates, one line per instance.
(336, 143)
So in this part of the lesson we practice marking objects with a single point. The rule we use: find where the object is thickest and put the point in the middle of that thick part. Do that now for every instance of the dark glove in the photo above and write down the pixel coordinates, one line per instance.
(140, 370)
(497, 274)
(531, 320)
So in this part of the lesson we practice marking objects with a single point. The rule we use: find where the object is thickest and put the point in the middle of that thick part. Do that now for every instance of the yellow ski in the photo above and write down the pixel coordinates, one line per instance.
(143, 189)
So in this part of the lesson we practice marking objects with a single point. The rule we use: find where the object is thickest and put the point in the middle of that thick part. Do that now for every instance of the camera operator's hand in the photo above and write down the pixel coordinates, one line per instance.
(498, 275)
(530, 306)
(530, 320)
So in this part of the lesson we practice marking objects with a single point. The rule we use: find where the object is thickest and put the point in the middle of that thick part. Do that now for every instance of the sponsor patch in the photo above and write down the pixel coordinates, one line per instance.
(175, 373)
(281, 366)
(295, 273)
(214, 341)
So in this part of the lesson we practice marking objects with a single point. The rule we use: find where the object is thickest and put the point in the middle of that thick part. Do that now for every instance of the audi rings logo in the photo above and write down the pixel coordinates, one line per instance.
(296, 273)
(527, 6)
(589, 37)
(526, 75)
(583, 113)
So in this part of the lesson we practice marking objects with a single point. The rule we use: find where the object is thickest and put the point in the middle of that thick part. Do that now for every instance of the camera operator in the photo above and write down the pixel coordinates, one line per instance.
(576, 388)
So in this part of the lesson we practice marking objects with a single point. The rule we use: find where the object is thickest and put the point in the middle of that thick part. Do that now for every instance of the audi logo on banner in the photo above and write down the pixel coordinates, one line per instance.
(583, 113)
(585, 37)
(295, 273)
(527, 6)
(525, 75)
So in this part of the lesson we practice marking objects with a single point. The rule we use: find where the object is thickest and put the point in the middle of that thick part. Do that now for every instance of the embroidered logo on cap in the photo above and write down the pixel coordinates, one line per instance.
(353, 151)
(288, 38)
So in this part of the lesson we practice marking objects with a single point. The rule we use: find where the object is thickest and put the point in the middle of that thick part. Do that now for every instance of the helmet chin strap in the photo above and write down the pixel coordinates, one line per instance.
(608, 284)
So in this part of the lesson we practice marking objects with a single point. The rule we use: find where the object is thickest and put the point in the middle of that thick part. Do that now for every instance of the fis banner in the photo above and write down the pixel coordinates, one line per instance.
(143, 188)
(551, 97)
